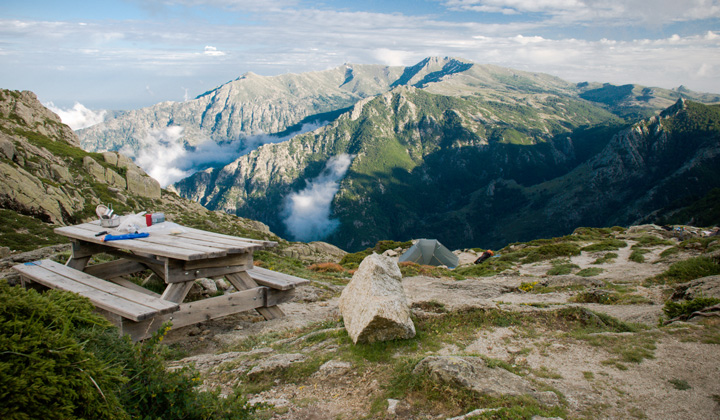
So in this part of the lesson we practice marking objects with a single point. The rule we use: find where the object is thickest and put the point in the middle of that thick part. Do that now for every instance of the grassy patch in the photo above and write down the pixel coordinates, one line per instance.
(680, 384)
(651, 240)
(562, 269)
(685, 309)
(609, 244)
(490, 267)
(638, 255)
(354, 259)
(606, 258)
(686, 270)
(590, 272)
(411, 269)
(24, 233)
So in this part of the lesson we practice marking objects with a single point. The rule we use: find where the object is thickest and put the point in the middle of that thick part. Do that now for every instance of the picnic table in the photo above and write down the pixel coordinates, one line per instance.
(179, 256)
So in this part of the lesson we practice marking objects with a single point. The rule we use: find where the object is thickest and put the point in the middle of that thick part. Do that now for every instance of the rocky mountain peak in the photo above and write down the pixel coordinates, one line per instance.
(23, 109)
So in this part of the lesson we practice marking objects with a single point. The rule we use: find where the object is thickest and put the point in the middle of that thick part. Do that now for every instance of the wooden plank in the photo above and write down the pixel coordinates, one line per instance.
(157, 305)
(175, 273)
(276, 280)
(179, 242)
(243, 281)
(219, 306)
(227, 261)
(101, 299)
(130, 285)
(261, 242)
(82, 232)
(176, 292)
(114, 269)
(233, 245)
(276, 297)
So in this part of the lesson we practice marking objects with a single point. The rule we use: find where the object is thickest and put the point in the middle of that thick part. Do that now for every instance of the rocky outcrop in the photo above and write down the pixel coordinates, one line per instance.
(473, 373)
(44, 174)
(373, 304)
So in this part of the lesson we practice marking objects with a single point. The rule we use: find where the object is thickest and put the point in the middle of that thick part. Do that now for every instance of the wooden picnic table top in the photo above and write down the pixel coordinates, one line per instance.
(180, 242)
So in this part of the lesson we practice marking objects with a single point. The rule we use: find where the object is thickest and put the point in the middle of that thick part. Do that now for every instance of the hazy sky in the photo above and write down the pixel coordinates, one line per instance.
(113, 54)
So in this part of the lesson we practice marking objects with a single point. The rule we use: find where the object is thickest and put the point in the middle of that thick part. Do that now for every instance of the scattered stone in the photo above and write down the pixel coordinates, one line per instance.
(474, 413)
(374, 305)
(208, 285)
(275, 363)
(390, 253)
(223, 284)
(392, 406)
(334, 367)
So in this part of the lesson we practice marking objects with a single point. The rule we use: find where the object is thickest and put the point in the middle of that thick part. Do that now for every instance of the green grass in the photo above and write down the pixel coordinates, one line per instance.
(562, 269)
(686, 270)
(24, 233)
(609, 244)
(590, 272)
(680, 384)
(684, 309)
(606, 258)
(638, 255)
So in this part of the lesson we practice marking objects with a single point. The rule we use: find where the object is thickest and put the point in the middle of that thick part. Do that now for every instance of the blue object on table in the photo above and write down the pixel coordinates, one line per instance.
(126, 236)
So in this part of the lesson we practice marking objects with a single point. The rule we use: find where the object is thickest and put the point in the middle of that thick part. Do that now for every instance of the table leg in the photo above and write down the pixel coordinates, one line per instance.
(243, 281)
(176, 292)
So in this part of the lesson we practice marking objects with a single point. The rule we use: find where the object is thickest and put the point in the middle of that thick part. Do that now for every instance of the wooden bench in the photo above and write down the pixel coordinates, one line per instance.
(127, 303)
(275, 280)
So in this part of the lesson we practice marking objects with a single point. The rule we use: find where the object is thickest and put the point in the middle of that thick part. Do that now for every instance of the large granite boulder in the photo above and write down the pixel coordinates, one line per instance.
(373, 304)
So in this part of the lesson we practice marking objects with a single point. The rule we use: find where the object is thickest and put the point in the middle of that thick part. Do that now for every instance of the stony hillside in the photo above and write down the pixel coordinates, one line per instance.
(573, 327)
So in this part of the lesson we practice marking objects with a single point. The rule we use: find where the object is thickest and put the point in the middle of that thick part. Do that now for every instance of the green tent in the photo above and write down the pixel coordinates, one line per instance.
(430, 252)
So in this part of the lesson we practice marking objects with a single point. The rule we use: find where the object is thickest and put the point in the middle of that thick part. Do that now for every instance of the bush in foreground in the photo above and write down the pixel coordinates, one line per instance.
(60, 360)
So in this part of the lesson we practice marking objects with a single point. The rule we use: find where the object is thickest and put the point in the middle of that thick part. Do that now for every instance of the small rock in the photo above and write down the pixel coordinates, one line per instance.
(275, 363)
(392, 406)
(208, 285)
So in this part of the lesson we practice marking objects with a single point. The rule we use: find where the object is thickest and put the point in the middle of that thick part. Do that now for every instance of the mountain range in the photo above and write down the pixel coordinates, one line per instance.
(474, 155)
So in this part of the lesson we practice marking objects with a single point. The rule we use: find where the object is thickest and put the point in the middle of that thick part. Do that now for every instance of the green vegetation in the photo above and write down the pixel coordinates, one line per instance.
(606, 258)
(680, 384)
(605, 245)
(24, 233)
(562, 269)
(590, 272)
(686, 270)
(684, 309)
(353, 260)
(62, 360)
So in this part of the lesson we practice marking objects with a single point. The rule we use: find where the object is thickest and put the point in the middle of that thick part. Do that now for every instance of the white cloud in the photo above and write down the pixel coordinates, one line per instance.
(393, 57)
(308, 211)
(78, 116)
(163, 154)
(213, 52)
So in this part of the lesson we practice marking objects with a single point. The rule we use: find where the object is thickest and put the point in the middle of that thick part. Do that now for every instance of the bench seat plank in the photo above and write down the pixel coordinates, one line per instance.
(127, 303)
(275, 280)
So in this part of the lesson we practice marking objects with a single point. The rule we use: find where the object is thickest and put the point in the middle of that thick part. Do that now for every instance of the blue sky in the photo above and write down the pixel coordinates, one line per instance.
(114, 54)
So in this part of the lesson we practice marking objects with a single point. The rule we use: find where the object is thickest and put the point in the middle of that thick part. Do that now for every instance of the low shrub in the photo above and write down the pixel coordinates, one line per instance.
(605, 245)
(550, 251)
(686, 270)
(590, 272)
(562, 269)
(61, 360)
(327, 267)
(684, 309)
(608, 257)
